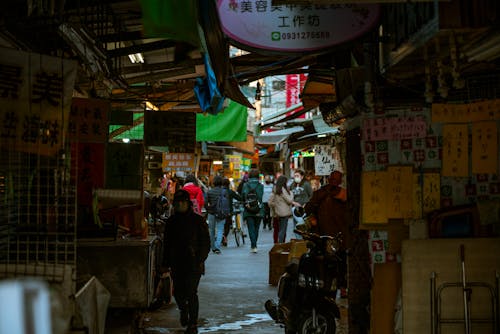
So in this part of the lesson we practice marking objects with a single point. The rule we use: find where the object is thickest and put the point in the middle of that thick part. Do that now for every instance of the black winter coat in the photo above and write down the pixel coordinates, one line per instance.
(186, 243)
(212, 196)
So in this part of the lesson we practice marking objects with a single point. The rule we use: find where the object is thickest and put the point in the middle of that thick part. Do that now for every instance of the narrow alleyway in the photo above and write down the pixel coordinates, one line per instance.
(232, 295)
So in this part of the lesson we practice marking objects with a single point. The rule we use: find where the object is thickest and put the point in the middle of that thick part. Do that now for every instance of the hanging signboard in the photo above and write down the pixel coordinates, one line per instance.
(124, 166)
(178, 162)
(176, 130)
(294, 28)
(324, 162)
(35, 95)
(484, 148)
(89, 157)
(88, 120)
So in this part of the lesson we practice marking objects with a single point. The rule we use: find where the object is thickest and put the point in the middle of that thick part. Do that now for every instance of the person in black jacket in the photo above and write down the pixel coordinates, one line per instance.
(229, 220)
(215, 224)
(186, 247)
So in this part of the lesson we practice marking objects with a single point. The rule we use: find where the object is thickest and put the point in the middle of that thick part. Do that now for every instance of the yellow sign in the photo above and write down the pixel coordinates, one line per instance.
(417, 196)
(466, 113)
(455, 150)
(374, 197)
(431, 192)
(484, 148)
(399, 204)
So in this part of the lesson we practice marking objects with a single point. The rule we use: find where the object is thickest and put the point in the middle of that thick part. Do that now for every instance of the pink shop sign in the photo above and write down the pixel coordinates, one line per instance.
(394, 128)
(257, 24)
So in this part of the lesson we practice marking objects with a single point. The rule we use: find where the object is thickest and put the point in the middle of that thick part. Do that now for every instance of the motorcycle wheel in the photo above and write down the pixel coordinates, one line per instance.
(326, 324)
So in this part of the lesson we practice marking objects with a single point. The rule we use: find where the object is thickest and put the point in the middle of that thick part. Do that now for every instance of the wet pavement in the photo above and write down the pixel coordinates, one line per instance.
(232, 295)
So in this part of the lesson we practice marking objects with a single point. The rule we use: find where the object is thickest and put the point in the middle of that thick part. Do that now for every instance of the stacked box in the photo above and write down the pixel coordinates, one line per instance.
(278, 259)
(297, 248)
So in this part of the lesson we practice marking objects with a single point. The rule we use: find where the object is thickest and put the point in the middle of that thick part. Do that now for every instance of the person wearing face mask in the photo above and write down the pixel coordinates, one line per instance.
(301, 190)
(268, 190)
(185, 249)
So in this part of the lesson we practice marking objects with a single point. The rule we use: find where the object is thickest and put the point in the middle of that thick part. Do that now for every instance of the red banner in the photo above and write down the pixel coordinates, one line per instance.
(89, 161)
(294, 86)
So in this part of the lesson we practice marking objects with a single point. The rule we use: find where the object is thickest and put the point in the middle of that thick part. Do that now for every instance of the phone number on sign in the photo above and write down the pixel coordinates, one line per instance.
(276, 36)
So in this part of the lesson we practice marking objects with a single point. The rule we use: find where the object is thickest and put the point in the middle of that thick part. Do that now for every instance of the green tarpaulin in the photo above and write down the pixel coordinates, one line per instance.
(171, 19)
(229, 125)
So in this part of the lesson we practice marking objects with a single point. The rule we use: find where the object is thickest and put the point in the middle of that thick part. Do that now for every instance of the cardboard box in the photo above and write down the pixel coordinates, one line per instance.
(297, 248)
(278, 259)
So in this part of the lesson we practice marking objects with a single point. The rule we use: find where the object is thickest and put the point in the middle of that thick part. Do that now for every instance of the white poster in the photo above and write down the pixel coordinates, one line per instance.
(324, 162)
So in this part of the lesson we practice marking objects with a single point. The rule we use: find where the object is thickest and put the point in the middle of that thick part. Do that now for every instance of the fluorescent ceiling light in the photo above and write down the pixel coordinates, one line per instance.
(217, 162)
(136, 58)
(151, 106)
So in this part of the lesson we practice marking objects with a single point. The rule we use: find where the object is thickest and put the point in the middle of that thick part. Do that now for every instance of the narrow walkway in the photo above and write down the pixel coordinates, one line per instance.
(232, 294)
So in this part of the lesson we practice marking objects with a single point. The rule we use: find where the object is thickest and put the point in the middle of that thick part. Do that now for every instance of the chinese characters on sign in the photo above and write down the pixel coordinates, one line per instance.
(374, 197)
(431, 192)
(455, 150)
(399, 203)
(484, 148)
(88, 121)
(259, 24)
(466, 113)
(394, 128)
(324, 162)
(178, 162)
(89, 157)
(35, 97)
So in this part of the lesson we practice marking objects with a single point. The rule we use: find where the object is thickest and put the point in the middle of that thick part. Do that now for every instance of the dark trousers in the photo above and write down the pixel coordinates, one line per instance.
(276, 228)
(266, 220)
(253, 224)
(186, 294)
(227, 225)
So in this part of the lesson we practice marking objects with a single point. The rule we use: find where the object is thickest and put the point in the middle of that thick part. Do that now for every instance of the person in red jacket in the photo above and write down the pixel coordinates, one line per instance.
(195, 193)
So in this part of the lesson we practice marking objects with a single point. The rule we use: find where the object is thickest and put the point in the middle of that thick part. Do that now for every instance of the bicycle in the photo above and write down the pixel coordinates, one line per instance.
(236, 226)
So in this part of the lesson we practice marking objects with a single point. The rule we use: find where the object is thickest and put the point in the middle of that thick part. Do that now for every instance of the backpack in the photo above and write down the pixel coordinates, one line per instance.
(222, 205)
(252, 203)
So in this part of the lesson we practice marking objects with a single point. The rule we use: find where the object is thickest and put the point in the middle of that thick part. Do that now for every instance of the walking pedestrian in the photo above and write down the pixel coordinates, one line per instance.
(195, 193)
(302, 191)
(268, 190)
(252, 194)
(186, 247)
(215, 224)
(281, 202)
(229, 220)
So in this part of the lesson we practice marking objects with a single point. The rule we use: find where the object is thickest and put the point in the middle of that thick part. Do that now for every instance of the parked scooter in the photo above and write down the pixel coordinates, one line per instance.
(308, 288)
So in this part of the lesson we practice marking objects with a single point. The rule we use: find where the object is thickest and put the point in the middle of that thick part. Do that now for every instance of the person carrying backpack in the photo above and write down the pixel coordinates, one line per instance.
(253, 210)
(218, 209)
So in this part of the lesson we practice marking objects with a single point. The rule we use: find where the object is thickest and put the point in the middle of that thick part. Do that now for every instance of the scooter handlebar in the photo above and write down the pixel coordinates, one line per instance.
(314, 236)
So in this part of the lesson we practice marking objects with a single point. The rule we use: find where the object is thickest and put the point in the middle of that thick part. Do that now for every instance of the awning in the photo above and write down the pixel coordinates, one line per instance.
(276, 137)
(283, 115)
(321, 128)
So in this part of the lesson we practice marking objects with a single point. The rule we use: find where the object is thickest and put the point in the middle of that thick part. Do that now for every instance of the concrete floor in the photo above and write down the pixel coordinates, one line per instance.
(232, 295)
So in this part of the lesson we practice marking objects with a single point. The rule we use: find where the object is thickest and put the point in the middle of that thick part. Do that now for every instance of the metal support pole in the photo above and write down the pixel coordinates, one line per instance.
(466, 292)
(433, 302)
